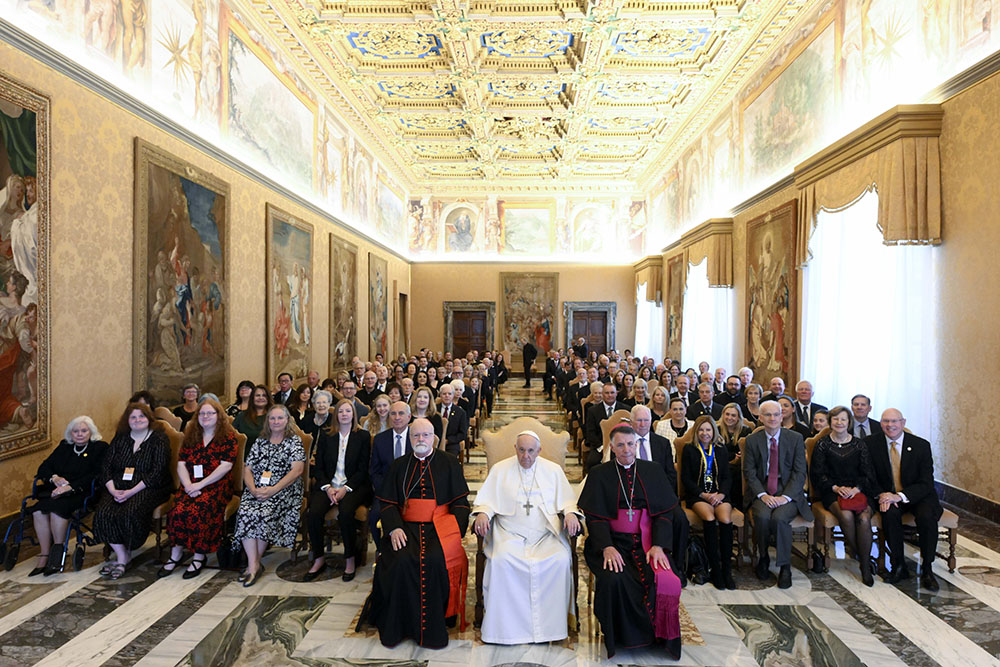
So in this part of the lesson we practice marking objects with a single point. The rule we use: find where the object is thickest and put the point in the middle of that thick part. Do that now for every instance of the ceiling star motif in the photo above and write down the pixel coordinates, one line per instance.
(462, 96)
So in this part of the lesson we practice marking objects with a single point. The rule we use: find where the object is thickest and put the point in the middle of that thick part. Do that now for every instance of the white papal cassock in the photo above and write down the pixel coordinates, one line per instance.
(528, 584)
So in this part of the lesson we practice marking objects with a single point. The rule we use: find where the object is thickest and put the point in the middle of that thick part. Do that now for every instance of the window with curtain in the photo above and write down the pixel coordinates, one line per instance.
(648, 326)
(868, 314)
(707, 323)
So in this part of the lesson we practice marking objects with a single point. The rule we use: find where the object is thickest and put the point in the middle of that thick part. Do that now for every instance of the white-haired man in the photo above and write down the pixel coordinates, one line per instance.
(525, 511)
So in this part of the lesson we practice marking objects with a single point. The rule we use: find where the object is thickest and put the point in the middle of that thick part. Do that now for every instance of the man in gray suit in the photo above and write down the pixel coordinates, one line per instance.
(774, 465)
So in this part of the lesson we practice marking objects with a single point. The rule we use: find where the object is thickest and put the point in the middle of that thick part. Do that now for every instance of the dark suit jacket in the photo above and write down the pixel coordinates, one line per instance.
(356, 458)
(806, 416)
(692, 397)
(691, 472)
(458, 425)
(528, 353)
(916, 468)
(697, 409)
(791, 468)
(725, 398)
(580, 351)
(276, 398)
(875, 428)
(382, 455)
(659, 449)
(368, 397)
(592, 425)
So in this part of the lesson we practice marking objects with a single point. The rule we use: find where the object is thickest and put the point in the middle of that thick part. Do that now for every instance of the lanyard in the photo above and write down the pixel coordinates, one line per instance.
(707, 461)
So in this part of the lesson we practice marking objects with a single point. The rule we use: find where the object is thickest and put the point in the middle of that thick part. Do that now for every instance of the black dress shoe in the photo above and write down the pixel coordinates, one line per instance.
(349, 576)
(311, 576)
(763, 569)
(727, 577)
(785, 576)
(866, 577)
(897, 575)
(929, 581)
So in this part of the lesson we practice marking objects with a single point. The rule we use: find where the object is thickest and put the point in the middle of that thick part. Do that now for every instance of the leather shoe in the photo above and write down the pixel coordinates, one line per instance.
(311, 576)
(897, 575)
(763, 569)
(349, 576)
(727, 576)
(866, 577)
(37, 571)
(253, 577)
(785, 576)
(929, 581)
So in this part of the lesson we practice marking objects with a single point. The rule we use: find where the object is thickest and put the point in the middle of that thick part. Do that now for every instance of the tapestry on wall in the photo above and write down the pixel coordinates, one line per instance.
(180, 320)
(772, 298)
(24, 296)
(675, 305)
(343, 302)
(289, 306)
(529, 310)
(378, 306)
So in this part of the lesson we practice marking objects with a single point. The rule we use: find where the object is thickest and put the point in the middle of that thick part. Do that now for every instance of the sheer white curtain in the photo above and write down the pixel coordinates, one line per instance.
(869, 316)
(648, 326)
(707, 322)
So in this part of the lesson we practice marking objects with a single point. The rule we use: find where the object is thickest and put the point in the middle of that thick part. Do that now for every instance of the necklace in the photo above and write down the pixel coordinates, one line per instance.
(631, 491)
(527, 492)
(82, 449)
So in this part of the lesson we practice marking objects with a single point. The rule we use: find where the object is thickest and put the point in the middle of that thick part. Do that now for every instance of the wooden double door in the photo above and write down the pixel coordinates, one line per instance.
(468, 331)
(593, 326)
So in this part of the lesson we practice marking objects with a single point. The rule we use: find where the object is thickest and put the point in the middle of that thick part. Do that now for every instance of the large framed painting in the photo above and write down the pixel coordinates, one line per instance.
(180, 309)
(675, 305)
(378, 306)
(772, 295)
(24, 302)
(343, 302)
(289, 303)
(529, 303)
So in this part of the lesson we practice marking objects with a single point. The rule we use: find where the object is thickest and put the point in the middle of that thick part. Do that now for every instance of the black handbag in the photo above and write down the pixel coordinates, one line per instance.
(230, 554)
(698, 569)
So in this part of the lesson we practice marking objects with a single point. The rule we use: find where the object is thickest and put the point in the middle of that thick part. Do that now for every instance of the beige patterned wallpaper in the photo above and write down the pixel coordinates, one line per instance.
(91, 260)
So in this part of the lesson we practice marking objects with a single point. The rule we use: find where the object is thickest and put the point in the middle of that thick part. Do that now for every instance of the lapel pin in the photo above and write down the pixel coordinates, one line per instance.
(909, 449)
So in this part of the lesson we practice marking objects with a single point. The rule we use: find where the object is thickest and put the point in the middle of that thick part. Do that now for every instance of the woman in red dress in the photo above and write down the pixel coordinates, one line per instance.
(196, 521)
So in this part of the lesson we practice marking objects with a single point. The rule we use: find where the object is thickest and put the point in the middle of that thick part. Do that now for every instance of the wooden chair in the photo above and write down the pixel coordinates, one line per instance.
(499, 445)
(165, 415)
(617, 417)
(160, 513)
(236, 476)
(303, 537)
(650, 386)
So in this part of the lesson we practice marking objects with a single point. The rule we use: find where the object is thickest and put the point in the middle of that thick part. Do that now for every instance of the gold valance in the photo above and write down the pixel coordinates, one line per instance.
(713, 239)
(649, 270)
(898, 155)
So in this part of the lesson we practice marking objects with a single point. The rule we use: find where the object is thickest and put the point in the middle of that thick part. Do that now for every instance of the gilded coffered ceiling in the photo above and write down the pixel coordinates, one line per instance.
(528, 95)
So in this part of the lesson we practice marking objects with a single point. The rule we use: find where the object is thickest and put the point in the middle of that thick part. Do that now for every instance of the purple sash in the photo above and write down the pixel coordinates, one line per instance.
(666, 620)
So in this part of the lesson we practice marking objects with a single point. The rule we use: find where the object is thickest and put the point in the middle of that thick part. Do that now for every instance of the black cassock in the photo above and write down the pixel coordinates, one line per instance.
(636, 607)
(416, 588)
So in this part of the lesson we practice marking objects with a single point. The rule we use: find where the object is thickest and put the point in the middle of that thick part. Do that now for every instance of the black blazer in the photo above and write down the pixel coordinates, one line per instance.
(436, 422)
(693, 470)
(356, 458)
(659, 449)
(458, 425)
(916, 469)
(592, 425)
(276, 398)
(806, 416)
(382, 455)
(697, 409)
(875, 428)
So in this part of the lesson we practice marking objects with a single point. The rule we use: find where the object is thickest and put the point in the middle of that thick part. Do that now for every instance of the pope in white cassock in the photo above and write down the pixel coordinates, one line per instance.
(522, 508)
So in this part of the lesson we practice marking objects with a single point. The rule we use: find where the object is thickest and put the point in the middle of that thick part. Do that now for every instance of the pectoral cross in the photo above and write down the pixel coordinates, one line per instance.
(527, 506)
(631, 514)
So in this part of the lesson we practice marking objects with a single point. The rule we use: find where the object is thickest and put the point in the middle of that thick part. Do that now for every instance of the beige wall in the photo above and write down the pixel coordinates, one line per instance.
(91, 260)
(435, 283)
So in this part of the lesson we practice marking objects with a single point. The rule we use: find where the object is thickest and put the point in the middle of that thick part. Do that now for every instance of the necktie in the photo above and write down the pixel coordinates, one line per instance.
(861, 432)
(642, 449)
(609, 412)
(772, 468)
(399, 446)
(894, 462)
(446, 409)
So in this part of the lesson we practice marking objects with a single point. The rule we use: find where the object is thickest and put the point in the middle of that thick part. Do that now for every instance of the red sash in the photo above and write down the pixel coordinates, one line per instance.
(666, 619)
(427, 510)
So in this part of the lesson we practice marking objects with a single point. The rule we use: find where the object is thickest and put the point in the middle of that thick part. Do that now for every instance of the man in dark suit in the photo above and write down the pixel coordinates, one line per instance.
(861, 407)
(805, 409)
(458, 420)
(774, 465)
(551, 372)
(597, 413)
(358, 372)
(732, 394)
(777, 390)
(349, 390)
(656, 448)
(583, 390)
(719, 381)
(904, 480)
(284, 393)
(580, 349)
(368, 392)
(683, 391)
(528, 354)
(388, 446)
(706, 404)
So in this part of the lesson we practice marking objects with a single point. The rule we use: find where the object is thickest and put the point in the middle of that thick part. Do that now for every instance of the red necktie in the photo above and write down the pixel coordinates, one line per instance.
(772, 468)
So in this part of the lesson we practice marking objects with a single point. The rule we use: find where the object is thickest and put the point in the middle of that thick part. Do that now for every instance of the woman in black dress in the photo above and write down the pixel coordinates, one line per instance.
(731, 429)
(320, 416)
(299, 406)
(502, 372)
(842, 476)
(68, 472)
(187, 409)
(137, 476)
(705, 485)
(244, 390)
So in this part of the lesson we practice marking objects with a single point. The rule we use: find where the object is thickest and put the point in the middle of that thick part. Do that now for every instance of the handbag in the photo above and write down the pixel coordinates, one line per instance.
(857, 503)
(698, 568)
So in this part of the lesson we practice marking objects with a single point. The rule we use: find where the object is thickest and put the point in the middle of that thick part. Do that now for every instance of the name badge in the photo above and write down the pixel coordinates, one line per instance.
(129, 473)
(265, 478)
(199, 471)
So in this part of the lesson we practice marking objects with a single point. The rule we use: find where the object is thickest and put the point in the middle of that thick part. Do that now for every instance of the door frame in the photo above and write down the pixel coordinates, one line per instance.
(610, 308)
(451, 307)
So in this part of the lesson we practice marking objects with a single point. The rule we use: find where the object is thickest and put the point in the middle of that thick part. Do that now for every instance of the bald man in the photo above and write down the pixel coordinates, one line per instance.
(387, 446)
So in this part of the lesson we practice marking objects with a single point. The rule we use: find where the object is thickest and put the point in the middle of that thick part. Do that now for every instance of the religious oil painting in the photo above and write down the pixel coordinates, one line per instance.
(772, 295)
(794, 113)
(675, 305)
(391, 214)
(343, 302)
(289, 303)
(378, 305)
(180, 311)
(460, 226)
(269, 118)
(529, 309)
(590, 229)
(24, 293)
(527, 228)
(421, 227)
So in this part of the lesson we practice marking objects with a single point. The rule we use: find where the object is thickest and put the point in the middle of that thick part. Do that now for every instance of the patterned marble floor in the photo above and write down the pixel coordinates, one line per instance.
(824, 619)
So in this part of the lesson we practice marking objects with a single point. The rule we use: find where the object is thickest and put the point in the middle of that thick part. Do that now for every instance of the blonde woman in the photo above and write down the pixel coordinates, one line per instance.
(424, 408)
(378, 419)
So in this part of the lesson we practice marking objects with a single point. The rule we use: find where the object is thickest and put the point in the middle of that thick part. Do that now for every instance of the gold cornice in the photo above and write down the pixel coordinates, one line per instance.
(711, 227)
(648, 262)
(906, 120)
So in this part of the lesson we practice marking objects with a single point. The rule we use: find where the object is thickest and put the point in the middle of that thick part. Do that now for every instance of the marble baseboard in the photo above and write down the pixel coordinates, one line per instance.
(970, 502)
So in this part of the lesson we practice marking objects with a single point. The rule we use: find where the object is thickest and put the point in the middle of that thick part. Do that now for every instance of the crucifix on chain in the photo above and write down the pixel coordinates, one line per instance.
(631, 514)
(527, 506)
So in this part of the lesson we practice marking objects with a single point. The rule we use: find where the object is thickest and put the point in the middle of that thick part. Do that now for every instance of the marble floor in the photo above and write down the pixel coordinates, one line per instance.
(78, 618)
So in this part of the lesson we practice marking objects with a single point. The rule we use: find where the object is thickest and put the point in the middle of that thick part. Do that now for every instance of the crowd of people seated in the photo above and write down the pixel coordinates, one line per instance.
(376, 432)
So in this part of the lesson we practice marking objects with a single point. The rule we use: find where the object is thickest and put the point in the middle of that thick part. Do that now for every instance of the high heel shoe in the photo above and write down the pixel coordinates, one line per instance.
(38, 570)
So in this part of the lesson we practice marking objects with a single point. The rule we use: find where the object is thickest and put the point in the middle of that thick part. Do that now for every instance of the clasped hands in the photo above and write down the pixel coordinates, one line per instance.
(121, 495)
(263, 492)
(846, 491)
(886, 499)
(193, 489)
(62, 486)
(774, 501)
(336, 495)
(656, 558)
(713, 499)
